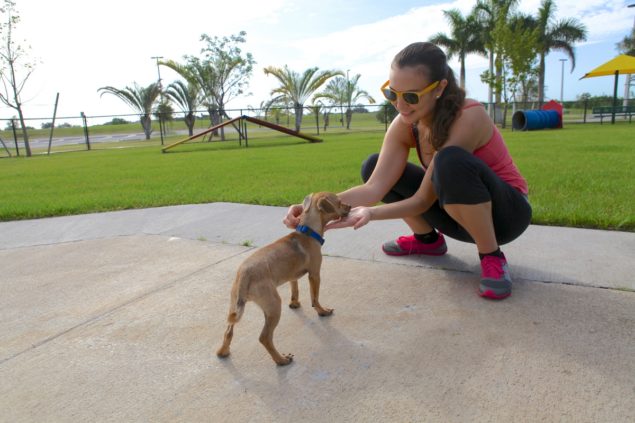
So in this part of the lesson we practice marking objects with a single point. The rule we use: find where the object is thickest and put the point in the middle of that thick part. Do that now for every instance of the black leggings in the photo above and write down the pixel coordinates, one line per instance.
(460, 177)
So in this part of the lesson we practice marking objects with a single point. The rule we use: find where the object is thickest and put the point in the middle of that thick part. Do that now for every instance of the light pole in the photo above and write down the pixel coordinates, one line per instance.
(348, 97)
(562, 82)
(628, 77)
(158, 69)
(161, 94)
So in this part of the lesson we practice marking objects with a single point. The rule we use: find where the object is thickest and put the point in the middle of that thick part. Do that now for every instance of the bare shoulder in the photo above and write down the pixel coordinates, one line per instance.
(472, 128)
(399, 133)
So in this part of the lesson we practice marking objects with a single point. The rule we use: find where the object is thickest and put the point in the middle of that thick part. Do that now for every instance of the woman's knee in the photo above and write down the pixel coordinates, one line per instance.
(368, 166)
(457, 177)
(448, 159)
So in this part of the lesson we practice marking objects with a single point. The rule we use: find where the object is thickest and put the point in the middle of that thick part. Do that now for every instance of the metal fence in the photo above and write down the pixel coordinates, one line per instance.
(84, 132)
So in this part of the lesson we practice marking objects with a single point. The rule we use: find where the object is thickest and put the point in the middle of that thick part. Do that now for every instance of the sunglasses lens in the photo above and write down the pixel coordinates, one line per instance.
(411, 98)
(390, 94)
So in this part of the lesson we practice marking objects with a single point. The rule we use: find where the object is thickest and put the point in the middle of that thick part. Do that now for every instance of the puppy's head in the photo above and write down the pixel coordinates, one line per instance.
(327, 204)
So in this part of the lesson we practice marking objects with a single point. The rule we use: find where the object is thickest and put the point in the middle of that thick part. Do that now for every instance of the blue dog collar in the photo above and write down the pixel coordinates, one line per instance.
(303, 229)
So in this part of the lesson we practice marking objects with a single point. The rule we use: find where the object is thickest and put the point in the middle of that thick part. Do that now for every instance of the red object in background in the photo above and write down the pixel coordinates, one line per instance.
(554, 105)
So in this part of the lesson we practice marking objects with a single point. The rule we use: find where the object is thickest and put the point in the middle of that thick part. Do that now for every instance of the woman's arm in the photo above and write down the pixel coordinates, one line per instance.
(421, 201)
(391, 163)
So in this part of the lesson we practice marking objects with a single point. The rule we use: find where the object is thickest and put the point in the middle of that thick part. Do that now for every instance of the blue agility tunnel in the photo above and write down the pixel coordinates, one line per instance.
(527, 120)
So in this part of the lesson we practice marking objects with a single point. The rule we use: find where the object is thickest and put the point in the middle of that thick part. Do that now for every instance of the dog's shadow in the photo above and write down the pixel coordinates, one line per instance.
(329, 353)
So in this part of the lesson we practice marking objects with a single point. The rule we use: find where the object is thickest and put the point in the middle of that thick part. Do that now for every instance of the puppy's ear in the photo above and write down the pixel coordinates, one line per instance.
(325, 205)
(306, 205)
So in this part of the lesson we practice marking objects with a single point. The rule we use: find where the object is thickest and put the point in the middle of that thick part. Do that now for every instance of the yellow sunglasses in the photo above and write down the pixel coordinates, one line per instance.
(410, 97)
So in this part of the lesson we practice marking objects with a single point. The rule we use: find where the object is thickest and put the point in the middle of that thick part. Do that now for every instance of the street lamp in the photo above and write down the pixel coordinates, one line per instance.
(158, 69)
(161, 94)
(628, 77)
(562, 81)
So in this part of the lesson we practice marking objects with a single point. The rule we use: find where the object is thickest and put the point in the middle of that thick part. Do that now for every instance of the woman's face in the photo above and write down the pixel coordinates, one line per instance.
(411, 79)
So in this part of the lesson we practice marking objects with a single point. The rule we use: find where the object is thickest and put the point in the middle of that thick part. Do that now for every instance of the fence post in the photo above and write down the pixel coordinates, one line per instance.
(85, 130)
(161, 126)
(586, 102)
(244, 121)
(15, 138)
(241, 122)
(57, 97)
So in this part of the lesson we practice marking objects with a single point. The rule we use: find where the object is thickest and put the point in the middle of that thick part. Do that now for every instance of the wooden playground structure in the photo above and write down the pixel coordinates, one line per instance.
(242, 131)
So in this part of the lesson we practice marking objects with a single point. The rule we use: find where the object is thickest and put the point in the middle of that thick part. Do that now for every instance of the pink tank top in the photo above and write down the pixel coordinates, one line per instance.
(495, 155)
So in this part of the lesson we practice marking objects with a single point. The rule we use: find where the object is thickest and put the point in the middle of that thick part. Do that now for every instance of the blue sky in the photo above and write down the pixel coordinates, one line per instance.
(81, 48)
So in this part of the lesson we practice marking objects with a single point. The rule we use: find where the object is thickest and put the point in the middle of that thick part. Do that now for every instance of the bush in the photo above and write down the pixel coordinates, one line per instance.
(387, 112)
(117, 121)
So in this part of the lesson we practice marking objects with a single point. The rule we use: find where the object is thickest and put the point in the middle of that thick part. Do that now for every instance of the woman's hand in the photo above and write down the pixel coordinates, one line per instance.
(292, 219)
(357, 217)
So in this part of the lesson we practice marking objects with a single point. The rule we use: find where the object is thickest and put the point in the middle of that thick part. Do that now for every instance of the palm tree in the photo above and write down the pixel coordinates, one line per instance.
(202, 75)
(141, 99)
(345, 92)
(297, 88)
(186, 97)
(558, 35)
(627, 45)
(491, 15)
(463, 39)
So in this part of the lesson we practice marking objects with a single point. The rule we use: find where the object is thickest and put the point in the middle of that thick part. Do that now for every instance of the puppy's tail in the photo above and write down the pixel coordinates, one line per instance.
(238, 300)
(236, 311)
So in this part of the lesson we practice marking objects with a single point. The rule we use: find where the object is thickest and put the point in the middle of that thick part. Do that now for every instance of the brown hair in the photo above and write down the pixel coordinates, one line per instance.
(434, 65)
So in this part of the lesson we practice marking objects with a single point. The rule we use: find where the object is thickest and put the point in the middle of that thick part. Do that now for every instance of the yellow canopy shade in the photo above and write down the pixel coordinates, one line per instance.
(621, 64)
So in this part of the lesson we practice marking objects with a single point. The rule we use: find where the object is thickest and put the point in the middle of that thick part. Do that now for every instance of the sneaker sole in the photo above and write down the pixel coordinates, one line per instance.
(491, 294)
(406, 253)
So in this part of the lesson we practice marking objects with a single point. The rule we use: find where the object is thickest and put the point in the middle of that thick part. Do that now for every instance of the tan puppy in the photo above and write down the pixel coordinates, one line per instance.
(285, 260)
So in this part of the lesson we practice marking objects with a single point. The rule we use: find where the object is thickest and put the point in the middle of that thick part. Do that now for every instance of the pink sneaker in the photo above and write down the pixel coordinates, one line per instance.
(496, 283)
(407, 245)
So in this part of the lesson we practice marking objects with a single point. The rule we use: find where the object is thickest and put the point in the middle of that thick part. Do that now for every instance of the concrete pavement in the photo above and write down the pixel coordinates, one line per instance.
(116, 317)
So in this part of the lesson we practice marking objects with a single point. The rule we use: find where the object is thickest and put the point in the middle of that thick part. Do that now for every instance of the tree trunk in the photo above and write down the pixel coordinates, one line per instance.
(146, 123)
(190, 119)
(298, 116)
(27, 146)
(349, 117)
(462, 77)
(214, 118)
(490, 91)
(541, 80)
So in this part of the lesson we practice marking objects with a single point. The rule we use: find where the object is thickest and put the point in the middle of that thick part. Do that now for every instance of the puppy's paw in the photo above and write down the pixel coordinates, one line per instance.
(286, 359)
(294, 304)
(325, 311)
(222, 353)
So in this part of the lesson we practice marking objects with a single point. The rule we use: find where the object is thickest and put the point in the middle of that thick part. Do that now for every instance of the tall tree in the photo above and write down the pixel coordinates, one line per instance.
(222, 73)
(141, 99)
(493, 15)
(464, 38)
(297, 88)
(555, 35)
(518, 58)
(345, 92)
(232, 68)
(15, 67)
(186, 97)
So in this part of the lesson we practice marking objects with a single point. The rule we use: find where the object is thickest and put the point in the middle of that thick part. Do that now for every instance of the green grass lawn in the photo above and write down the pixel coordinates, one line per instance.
(580, 176)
